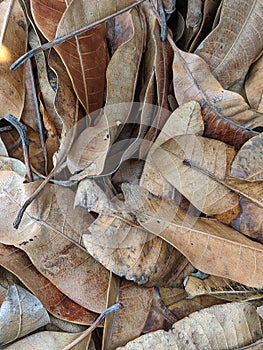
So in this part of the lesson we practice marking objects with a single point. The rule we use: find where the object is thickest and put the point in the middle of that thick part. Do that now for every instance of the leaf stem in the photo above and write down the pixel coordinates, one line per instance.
(116, 307)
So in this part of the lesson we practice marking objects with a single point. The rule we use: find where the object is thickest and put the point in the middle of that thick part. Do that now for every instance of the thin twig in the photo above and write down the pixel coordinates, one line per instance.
(62, 39)
(113, 308)
(6, 128)
(21, 129)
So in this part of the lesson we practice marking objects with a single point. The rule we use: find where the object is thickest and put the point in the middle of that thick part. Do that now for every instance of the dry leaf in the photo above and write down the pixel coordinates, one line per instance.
(248, 163)
(129, 322)
(254, 85)
(85, 56)
(16, 261)
(193, 80)
(209, 245)
(204, 192)
(12, 45)
(50, 340)
(21, 313)
(40, 235)
(236, 42)
(123, 247)
(122, 78)
(221, 288)
(220, 327)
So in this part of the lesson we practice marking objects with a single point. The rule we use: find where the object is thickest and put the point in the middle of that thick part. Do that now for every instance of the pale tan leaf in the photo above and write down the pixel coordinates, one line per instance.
(50, 340)
(3, 150)
(12, 46)
(204, 192)
(221, 288)
(40, 235)
(193, 80)
(220, 327)
(21, 313)
(122, 78)
(248, 163)
(209, 245)
(236, 41)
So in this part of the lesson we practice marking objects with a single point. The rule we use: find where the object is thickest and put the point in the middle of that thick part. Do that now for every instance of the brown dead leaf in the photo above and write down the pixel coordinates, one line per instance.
(248, 163)
(193, 80)
(12, 45)
(40, 235)
(21, 313)
(209, 245)
(220, 327)
(221, 288)
(128, 323)
(234, 45)
(177, 302)
(123, 247)
(59, 305)
(85, 56)
(122, 78)
(204, 192)
(209, 10)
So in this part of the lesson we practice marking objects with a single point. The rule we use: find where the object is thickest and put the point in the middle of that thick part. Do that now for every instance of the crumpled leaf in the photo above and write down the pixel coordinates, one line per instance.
(40, 235)
(21, 313)
(236, 41)
(221, 288)
(123, 247)
(209, 245)
(248, 163)
(220, 327)
(12, 46)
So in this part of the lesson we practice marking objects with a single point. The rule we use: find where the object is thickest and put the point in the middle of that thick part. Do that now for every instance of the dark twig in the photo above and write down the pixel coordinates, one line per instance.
(113, 308)
(62, 39)
(21, 129)
(6, 128)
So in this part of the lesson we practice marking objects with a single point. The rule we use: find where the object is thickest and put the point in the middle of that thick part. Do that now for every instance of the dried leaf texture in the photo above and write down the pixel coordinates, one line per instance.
(221, 288)
(59, 305)
(51, 340)
(210, 246)
(21, 313)
(85, 56)
(12, 45)
(236, 41)
(40, 235)
(193, 80)
(204, 192)
(248, 163)
(220, 327)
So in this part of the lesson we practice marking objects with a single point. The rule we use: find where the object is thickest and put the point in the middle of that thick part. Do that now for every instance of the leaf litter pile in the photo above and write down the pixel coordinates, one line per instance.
(131, 169)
